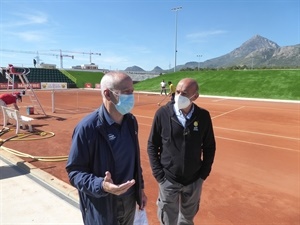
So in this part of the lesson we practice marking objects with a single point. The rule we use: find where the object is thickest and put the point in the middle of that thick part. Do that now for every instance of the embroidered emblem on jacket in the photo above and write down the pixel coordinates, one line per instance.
(196, 126)
(111, 137)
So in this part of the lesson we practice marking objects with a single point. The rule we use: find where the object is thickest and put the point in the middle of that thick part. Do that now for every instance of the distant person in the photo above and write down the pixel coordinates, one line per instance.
(163, 87)
(11, 99)
(34, 63)
(181, 150)
(104, 161)
(11, 69)
(171, 91)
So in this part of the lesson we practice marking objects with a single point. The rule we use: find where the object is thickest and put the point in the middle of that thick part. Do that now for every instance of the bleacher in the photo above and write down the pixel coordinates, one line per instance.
(2, 76)
(49, 75)
(41, 75)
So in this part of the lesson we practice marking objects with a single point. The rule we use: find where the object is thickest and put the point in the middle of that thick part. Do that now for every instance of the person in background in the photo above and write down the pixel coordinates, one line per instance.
(104, 160)
(181, 150)
(172, 91)
(163, 87)
(11, 69)
(11, 99)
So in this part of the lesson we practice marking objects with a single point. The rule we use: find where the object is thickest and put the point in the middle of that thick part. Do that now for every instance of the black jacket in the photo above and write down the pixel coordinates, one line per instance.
(181, 154)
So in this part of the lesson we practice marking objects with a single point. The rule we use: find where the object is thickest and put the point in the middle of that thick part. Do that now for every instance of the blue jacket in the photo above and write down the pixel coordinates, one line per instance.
(90, 157)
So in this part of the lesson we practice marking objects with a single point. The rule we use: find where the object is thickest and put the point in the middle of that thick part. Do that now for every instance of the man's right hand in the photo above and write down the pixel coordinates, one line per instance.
(109, 186)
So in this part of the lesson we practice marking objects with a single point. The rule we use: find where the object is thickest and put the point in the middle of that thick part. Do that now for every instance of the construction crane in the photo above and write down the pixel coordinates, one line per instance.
(38, 55)
(62, 56)
(89, 53)
(29, 52)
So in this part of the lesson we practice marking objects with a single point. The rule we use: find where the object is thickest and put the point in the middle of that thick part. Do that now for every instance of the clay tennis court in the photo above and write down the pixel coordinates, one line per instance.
(255, 177)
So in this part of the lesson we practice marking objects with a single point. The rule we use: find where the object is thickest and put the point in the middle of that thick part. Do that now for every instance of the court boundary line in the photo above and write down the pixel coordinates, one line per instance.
(225, 113)
(258, 133)
(254, 143)
(233, 98)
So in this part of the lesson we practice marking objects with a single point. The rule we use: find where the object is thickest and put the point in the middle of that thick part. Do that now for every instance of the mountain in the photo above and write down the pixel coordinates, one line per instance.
(157, 69)
(257, 52)
(134, 68)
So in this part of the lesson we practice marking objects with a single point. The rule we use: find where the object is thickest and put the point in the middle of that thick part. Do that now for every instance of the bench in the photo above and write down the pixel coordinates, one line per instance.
(21, 121)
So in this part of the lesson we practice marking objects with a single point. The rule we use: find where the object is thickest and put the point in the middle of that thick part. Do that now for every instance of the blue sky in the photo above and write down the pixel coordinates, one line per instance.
(140, 33)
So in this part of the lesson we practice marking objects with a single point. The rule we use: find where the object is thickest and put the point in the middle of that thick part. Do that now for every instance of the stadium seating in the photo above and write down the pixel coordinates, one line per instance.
(41, 75)
(48, 75)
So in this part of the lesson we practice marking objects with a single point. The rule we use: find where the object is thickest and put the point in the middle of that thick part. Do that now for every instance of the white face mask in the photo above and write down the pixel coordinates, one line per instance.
(182, 102)
(125, 103)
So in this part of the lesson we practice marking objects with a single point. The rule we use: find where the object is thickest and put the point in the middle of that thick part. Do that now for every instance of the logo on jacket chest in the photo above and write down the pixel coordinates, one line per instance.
(111, 137)
(196, 126)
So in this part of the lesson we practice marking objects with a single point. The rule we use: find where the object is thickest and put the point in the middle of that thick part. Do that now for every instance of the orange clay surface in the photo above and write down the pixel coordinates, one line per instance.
(255, 176)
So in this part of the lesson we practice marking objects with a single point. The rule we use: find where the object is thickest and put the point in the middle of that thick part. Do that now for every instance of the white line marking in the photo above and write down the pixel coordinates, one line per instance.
(148, 117)
(252, 143)
(219, 100)
(228, 112)
(258, 133)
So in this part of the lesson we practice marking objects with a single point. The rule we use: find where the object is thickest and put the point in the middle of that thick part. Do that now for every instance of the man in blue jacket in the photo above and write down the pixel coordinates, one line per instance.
(104, 160)
(181, 149)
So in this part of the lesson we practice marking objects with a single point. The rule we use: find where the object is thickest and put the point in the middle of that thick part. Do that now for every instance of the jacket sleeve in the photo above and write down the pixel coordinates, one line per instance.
(154, 148)
(139, 154)
(78, 165)
(209, 149)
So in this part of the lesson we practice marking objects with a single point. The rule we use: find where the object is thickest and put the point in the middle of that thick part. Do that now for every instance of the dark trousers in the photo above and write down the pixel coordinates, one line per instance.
(126, 209)
(173, 97)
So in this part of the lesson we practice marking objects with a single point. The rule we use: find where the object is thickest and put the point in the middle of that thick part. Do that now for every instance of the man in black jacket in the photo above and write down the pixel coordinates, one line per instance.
(181, 150)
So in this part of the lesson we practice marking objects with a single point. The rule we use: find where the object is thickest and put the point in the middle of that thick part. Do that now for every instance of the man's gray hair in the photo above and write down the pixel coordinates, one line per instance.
(107, 82)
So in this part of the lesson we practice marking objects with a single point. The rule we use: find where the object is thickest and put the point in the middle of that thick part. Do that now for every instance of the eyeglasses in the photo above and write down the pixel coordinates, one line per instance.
(114, 92)
(125, 92)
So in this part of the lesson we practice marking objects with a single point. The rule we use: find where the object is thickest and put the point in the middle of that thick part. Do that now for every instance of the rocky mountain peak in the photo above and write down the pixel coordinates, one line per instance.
(255, 43)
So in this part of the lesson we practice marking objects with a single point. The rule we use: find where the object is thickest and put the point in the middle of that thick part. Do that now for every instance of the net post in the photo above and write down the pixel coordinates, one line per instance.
(53, 100)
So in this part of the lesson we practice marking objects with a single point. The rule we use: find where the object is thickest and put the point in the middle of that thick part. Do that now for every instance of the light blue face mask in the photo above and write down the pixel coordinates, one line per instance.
(125, 104)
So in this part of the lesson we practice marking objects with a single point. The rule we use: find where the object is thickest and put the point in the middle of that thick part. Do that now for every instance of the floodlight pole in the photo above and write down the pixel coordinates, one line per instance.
(176, 10)
(199, 61)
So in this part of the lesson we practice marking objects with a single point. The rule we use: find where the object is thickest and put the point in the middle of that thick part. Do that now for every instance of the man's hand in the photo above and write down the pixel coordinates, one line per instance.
(144, 200)
(109, 186)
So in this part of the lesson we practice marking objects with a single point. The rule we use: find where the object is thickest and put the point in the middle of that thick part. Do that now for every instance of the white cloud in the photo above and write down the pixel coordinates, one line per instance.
(114, 59)
(30, 36)
(25, 19)
(139, 49)
(200, 36)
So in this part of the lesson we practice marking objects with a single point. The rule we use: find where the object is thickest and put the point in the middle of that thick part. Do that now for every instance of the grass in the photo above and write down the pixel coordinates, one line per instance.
(83, 77)
(269, 84)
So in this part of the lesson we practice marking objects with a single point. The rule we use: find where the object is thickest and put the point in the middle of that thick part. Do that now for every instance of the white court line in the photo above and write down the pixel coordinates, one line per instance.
(250, 99)
(144, 124)
(258, 133)
(253, 143)
(147, 117)
(248, 142)
(228, 112)
(220, 100)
